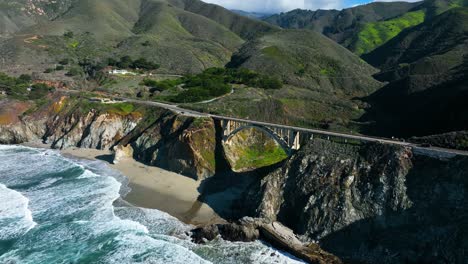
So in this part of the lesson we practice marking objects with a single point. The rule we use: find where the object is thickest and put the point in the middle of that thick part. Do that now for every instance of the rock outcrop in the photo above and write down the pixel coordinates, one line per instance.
(370, 203)
(122, 152)
(157, 137)
(181, 144)
(249, 229)
(94, 129)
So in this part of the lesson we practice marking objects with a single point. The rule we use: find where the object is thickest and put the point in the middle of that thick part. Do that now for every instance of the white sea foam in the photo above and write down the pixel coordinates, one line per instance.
(72, 203)
(15, 217)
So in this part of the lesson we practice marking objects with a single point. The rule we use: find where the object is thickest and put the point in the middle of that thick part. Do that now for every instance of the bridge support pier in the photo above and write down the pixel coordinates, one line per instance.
(296, 142)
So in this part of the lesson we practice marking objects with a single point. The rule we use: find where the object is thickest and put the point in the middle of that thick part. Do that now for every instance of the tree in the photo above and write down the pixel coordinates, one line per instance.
(64, 61)
(112, 62)
(68, 34)
(25, 78)
(75, 71)
(39, 91)
(125, 62)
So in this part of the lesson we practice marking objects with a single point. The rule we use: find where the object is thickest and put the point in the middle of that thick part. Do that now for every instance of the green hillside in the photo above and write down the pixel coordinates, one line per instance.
(307, 59)
(321, 81)
(18, 15)
(246, 28)
(373, 35)
(364, 28)
(426, 69)
(181, 37)
(342, 26)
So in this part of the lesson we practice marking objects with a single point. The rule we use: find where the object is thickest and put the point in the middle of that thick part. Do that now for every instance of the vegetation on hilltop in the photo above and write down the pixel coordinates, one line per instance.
(21, 88)
(212, 83)
(126, 62)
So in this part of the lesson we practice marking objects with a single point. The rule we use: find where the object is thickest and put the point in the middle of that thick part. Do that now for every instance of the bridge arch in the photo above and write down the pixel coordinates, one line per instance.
(266, 130)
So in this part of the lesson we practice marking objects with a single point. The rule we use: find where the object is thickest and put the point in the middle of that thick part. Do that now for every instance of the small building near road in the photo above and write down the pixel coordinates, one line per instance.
(103, 100)
(121, 72)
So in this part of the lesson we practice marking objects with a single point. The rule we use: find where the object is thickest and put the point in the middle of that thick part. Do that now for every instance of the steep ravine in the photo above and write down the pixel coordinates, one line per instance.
(371, 203)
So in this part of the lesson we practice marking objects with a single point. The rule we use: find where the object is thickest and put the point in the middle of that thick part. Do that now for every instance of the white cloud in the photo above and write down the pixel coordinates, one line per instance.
(277, 5)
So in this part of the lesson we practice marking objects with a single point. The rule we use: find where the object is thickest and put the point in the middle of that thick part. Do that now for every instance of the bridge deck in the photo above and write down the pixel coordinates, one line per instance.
(177, 109)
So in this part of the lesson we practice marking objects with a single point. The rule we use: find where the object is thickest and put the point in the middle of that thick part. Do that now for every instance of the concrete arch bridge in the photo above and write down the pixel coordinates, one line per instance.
(289, 139)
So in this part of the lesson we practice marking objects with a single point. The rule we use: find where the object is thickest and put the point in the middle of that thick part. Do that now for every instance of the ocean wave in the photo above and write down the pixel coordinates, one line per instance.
(72, 204)
(15, 216)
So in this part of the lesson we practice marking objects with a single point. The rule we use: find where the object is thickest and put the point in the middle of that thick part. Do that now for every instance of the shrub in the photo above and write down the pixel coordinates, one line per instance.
(144, 64)
(125, 62)
(59, 68)
(25, 78)
(75, 71)
(68, 34)
(197, 94)
(39, 91)
(269, 83)
(64, 62)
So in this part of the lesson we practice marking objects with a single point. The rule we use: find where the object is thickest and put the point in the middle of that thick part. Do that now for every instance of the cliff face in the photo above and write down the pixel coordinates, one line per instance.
(91, 130)
(180, 144)
(160, 138)
(370, 203)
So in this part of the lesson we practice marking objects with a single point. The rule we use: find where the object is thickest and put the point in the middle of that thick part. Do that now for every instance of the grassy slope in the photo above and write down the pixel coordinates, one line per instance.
(341, 26)
(18, 15)
(179, 40)
(375, 34)
(426, 67)
(188, 36)
(366, 27)
(321, 77)
(246, 28)
(307, 59)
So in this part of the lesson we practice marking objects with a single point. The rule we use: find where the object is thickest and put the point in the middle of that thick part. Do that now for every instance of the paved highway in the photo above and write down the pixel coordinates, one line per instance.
(187, 112)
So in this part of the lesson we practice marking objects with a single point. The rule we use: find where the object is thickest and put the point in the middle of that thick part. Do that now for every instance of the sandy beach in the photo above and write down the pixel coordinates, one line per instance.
(154, 187)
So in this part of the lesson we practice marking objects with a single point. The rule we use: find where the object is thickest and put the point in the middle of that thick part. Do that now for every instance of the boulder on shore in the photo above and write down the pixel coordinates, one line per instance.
(122, 152)
(250, 229)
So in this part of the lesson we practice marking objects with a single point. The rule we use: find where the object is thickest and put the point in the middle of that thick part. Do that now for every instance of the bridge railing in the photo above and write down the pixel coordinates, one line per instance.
(315, 132)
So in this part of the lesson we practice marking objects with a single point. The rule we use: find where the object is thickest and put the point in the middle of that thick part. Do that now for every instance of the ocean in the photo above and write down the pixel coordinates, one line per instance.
(55, 209)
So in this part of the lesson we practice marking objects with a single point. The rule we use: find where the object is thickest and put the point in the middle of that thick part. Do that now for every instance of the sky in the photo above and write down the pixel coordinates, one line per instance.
(274, 6)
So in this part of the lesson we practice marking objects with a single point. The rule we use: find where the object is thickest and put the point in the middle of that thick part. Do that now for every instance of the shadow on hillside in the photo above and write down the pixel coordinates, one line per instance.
(224, 191)
(433, 230)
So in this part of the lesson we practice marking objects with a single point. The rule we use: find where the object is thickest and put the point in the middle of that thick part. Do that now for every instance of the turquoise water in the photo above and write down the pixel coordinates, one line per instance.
(59, 210)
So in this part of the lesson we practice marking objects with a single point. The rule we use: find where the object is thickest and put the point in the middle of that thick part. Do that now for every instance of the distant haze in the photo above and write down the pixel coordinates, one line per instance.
(274, 6)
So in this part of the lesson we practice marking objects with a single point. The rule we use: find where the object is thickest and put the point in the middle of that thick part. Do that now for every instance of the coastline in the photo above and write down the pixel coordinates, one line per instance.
(153, 187)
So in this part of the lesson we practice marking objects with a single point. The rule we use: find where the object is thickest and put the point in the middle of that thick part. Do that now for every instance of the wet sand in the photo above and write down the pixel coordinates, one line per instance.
(155, 188)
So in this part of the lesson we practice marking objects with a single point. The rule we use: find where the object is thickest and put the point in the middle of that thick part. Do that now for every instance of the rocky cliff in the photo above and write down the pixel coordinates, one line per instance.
(157, 137)
(370, 203)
